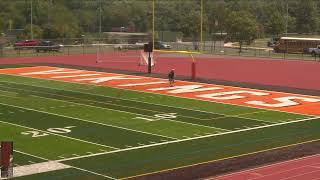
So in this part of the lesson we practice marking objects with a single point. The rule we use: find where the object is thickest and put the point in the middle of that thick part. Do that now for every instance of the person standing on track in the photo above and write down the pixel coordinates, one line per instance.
(171, 77)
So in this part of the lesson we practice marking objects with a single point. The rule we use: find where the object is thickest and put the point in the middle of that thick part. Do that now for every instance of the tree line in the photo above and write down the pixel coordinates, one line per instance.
(242, 20)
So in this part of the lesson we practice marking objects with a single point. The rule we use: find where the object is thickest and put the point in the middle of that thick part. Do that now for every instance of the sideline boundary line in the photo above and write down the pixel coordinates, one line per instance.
(212, 161)
(84, 170)
(187, 139)
(38, 157)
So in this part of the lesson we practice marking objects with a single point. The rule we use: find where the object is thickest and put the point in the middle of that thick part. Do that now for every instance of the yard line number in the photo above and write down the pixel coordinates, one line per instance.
(36, 134)
(158, 117)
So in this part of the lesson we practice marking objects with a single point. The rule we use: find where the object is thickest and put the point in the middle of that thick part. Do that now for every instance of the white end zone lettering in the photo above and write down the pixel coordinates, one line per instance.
(72, 76)
(284, 101)
(185, 89)
(97, 80)
(225, 95)
(54, 71)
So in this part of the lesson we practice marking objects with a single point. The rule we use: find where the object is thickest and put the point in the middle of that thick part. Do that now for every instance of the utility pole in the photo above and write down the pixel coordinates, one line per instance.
(201, 26)
(100, 19)
(287, 17)
(49, 10)
(31, 23)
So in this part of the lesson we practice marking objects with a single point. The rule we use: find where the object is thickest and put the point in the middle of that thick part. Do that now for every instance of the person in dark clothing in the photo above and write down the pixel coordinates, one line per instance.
(171, 78)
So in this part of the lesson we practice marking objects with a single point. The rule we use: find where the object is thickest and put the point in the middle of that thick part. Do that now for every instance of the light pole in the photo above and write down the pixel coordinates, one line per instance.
(31, 28)
(100, 20)
(287, 17)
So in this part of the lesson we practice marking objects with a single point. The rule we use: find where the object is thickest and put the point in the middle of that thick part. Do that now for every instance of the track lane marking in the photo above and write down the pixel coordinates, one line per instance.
(269, 166)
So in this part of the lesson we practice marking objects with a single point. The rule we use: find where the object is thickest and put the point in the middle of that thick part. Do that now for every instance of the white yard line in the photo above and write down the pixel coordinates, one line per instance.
(38, 157)
(86, 120)
(159, 112)
(189, 139)
(239, 116)
(122, 112)
(225, 116)
(214, 113)
(58, 135)
(98, 174)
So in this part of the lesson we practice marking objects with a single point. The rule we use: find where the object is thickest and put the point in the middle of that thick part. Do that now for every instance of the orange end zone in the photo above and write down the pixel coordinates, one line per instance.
(270, 100)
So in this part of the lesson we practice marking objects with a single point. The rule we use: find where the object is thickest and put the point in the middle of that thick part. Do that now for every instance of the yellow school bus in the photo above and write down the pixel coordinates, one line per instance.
(295, 45)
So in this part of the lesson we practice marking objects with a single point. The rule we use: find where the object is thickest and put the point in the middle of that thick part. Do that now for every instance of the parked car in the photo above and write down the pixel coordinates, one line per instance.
(314, 51)
(161, 45)
(25, 44)
(273, 42)
(47, 46)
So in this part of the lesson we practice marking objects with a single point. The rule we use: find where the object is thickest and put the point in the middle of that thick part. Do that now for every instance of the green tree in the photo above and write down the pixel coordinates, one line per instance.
(1, 25)
(306, 16)
(37, 32)
(64, 23)
(217, 14)
(241, 27)
(275, 24)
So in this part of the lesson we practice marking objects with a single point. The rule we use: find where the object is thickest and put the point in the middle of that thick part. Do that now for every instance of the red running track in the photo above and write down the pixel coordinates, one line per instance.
(276, 72)
(300, 169)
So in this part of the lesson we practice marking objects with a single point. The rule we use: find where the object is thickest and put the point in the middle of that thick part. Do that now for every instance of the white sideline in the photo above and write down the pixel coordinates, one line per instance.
(188, 139)
(67, 166)
(38, 168)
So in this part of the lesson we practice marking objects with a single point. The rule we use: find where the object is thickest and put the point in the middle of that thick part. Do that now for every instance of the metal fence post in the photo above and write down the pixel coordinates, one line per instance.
(1, 51)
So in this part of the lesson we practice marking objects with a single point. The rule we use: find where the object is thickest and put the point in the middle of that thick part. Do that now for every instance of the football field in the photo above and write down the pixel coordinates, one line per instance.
(103, 130)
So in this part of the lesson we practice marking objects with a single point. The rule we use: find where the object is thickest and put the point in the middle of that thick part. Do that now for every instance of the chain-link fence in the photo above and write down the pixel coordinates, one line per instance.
(91, 46)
